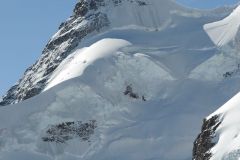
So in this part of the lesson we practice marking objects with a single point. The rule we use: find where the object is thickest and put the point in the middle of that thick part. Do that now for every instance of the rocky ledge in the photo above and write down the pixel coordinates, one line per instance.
(61, 133)
(205, 140)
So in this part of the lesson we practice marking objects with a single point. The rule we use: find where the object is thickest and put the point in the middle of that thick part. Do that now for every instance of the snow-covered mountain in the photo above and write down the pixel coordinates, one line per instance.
(121, 79)
(219, 137)
(93, 17)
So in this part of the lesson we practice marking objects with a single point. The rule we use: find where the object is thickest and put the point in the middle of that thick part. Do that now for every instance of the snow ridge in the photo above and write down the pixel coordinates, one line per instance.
(224, 31)
(76, 63)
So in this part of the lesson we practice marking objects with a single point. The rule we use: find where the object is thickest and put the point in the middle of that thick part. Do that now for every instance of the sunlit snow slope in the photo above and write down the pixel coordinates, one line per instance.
(227, 142)
(77, 62)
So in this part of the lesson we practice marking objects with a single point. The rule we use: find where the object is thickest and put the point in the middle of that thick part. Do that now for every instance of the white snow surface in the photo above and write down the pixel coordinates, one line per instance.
(224, 31)
(167, 65)
(89, 85)
(74, 65)
(228, 133)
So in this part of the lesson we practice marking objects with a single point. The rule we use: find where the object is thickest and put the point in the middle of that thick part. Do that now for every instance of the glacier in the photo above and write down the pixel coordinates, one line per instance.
(146, 77)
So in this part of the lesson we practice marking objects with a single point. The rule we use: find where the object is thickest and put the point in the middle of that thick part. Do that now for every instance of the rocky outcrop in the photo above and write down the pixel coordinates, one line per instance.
(86, 19)
(205, 140)
(129, 92)
(65, 131)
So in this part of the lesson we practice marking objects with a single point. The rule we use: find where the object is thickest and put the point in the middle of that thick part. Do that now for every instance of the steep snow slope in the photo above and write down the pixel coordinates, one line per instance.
(227, 146)
(224, 34)
(77, 62)
(224, 31)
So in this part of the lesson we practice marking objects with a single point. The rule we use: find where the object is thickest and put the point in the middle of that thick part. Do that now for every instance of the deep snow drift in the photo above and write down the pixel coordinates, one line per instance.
(136, 90)
(77, 62)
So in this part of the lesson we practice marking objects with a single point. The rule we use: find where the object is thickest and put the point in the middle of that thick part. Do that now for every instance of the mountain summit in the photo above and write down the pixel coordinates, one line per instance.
(90, 17)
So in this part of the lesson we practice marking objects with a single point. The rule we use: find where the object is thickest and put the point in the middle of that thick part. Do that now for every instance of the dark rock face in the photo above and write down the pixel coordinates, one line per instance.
(10, 95)
(82, 7)
(129, 92)
(204, 141)
(58, 48)
(63, 132)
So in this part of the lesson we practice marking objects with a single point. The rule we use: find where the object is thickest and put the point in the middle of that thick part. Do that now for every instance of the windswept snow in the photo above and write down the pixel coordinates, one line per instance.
(224, 31)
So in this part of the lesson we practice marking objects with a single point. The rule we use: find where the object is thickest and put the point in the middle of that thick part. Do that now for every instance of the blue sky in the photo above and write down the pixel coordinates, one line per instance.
(27, 25)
